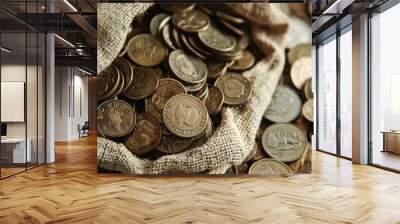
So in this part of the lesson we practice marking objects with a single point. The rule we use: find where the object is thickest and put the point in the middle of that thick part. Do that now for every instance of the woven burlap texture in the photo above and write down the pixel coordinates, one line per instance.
(231, 142)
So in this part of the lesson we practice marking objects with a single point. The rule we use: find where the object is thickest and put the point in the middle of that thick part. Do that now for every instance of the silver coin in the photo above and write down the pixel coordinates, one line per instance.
(284, 142)
(285, 105)
(187, 68)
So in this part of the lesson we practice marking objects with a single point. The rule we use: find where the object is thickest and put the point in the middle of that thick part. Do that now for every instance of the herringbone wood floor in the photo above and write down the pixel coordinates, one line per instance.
(70, 191)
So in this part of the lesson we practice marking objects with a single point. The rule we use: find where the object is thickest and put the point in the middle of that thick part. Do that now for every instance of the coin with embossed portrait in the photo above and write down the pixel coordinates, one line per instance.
(146, 50)
(285, 105)
(284, 142)
(167, 88)
(115, 118)
(187, 68)
(146, 135)
(236, 88)
(144, 83)
(185, 116)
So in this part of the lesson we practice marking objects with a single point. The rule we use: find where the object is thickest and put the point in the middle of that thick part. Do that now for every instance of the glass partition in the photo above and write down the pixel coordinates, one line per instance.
(327, 96)
(346, 93)
(385, 89)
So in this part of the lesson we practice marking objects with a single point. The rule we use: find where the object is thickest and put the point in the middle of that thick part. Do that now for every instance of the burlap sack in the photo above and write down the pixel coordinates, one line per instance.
(233, 140)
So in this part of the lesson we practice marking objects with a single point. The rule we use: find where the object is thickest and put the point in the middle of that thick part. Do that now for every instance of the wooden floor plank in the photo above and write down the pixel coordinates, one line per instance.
(71, 191)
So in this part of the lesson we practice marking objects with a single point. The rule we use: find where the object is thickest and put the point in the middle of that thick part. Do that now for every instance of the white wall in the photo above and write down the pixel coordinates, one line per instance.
(69, 82)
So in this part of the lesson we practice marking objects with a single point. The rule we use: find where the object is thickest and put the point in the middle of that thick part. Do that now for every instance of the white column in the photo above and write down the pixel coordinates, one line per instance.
(360, 90)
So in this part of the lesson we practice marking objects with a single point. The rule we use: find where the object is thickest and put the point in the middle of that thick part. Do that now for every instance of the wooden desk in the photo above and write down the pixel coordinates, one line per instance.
(391, 141)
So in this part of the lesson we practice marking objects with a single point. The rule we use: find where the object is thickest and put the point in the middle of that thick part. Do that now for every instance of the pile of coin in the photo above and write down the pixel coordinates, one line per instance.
(180, 65)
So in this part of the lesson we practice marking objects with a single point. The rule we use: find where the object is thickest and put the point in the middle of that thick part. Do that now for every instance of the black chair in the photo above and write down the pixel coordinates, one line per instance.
(84, 130)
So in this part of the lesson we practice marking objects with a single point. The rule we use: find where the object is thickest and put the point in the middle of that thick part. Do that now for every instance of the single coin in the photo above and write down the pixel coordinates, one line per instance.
(155, 23)
(166, 89)
(144, 49)
(187, 68)
(167, 36)
(185, 116)
(145, 82)
(285, 105)
(301, 71)
(243, 63)
(301, 50)
(236, 88)
(251, 154)
(308, 110)
(146, 135)
(171, 144)
(191, 21)
(270, 167)
(126, 69)
(232, 27)
(214, 100)
(115, 118)
(284, 142)
(181, 7)
(216, 68)
(217, 40)
(230, 18)
(107, 82)
(307, 89)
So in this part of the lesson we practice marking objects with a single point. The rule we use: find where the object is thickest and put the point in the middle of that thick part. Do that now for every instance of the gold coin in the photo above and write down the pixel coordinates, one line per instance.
(126, 69)
(214, 100)
(185, 116)
(301, 50)
(145, 82)
(217, 40)
(308, 110)
(166, 89)
(236, 88)
(301, 71)
(270, 167)
(144, 49)
(115, 118)
(187, 68)
(191, 21)
(107, 82)
(146, 135)
(243, 63)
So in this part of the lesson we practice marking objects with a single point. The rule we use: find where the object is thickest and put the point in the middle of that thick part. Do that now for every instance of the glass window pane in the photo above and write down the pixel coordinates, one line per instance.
(385, 114)
(346, 94)
(327, 96)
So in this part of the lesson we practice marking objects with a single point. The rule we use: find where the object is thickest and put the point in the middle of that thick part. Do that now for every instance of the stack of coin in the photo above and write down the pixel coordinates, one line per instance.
(180, 65)
(285, 132)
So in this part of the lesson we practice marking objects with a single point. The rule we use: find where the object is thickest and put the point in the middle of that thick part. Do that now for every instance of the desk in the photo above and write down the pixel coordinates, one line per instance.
(391, 141)
(13, 150)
